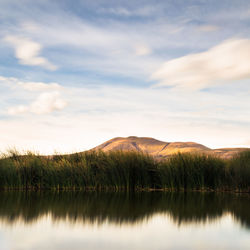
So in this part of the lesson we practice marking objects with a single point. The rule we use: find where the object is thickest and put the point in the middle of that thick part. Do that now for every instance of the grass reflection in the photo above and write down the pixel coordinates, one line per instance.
(98, 207)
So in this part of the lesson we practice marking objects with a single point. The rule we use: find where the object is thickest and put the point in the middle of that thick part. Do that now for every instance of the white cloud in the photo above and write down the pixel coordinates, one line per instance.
(223, 63)
(44, 104)
(27, 52)
(48, 100)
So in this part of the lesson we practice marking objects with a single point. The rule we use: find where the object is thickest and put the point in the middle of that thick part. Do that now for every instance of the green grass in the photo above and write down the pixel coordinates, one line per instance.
(124, 171)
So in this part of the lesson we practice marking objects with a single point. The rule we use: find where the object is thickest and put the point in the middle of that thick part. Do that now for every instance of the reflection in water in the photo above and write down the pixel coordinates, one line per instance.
(122, 208)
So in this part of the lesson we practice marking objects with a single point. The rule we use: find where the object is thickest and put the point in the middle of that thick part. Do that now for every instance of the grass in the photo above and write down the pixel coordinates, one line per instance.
(124, 171)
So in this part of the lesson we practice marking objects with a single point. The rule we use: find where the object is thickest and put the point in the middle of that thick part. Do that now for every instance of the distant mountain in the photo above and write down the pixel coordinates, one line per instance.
(160, 149)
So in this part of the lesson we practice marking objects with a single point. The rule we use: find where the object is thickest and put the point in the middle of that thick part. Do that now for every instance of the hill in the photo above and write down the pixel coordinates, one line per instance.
(160, 149)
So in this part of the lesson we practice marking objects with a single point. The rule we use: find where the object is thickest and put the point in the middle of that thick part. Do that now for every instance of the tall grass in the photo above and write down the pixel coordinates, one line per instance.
(124, 171)
(238, 171)
(193, 172)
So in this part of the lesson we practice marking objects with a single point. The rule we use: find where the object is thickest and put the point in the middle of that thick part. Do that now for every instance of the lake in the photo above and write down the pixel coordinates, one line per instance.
(131, 221)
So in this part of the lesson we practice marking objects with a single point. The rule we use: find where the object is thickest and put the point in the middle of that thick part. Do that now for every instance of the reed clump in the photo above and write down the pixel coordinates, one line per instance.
(193, 172)
(119, 170)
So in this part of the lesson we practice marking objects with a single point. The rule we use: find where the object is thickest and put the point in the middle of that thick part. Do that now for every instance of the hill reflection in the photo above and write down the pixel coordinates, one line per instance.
(122, 208)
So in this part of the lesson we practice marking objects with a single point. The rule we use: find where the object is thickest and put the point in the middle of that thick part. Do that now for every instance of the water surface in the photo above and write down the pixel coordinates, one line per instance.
(156, 220)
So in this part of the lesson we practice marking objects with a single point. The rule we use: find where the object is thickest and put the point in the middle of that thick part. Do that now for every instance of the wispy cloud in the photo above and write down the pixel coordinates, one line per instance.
(39, 86)
(113, 49)
(208, 28)
(224, 63)
(13, 82)
(28, 52)
(128, 12)
(116, 46)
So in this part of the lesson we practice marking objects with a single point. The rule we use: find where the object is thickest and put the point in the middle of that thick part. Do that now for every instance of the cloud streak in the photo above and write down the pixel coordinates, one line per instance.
(145, 11)
(30, 86)
(208, 28)
(224, 63)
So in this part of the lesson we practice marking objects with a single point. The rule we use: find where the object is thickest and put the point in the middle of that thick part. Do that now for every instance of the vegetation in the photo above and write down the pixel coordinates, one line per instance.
(124, 171)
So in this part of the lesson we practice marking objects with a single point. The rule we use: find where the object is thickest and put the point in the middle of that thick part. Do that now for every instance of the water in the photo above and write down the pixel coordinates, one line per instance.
(75, 220)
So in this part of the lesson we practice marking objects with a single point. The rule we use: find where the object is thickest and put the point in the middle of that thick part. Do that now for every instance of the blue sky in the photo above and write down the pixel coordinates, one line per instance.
(76, 73)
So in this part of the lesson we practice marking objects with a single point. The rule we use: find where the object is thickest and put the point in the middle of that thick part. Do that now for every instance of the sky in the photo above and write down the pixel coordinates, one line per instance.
(74, 74)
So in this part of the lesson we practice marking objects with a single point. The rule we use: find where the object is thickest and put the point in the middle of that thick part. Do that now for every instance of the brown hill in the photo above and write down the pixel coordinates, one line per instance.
(160, 149)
